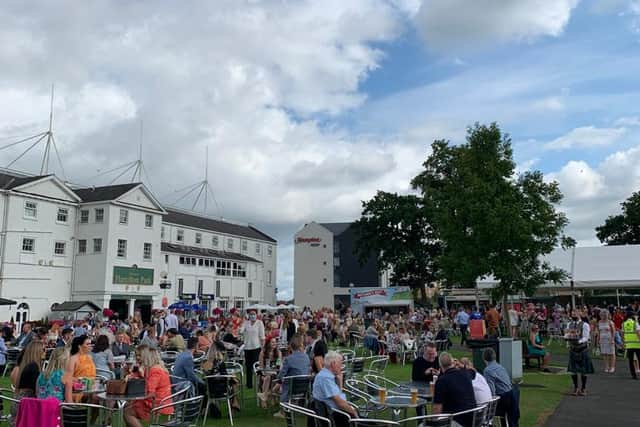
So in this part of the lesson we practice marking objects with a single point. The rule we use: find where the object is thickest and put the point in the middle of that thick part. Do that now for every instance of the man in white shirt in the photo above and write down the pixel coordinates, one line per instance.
(171, 321)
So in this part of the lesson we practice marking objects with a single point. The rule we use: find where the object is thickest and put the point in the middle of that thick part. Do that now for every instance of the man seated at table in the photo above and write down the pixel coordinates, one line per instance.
(327, 387)
(120, 347)
(185, 368)
(426, 365)
(175, 341)
(453, 392)
(65, 338)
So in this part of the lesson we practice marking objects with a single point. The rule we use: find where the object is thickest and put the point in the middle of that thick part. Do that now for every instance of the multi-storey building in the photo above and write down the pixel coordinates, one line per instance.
(118, 247)
(326, 266)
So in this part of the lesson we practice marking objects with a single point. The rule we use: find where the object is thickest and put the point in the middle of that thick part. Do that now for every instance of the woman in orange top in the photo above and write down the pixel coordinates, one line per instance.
(157, 382)
(80, 363)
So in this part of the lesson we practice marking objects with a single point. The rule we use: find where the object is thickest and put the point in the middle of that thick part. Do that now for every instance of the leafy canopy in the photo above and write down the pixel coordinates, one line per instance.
(622, 229)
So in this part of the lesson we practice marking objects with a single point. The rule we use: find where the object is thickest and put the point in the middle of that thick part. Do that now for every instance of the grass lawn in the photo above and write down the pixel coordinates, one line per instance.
(540, 394)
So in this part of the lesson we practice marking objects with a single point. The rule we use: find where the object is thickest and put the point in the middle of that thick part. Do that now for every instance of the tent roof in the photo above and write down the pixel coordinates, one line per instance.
(74, 306)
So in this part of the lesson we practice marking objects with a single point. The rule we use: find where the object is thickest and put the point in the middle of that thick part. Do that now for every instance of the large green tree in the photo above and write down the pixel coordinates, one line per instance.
(622, 229)
(489, 221)
(397, 229)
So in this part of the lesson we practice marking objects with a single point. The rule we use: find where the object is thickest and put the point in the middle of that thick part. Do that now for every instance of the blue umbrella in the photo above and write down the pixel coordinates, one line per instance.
(180, 305)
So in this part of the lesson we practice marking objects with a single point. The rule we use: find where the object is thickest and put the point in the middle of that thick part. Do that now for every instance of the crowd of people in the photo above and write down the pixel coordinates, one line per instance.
(277, 345)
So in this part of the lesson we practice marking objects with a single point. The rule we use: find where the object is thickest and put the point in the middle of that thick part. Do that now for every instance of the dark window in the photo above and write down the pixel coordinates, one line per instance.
(200, 262)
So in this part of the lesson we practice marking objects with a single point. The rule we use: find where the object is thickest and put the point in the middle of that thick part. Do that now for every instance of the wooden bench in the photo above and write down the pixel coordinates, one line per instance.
(527, 356)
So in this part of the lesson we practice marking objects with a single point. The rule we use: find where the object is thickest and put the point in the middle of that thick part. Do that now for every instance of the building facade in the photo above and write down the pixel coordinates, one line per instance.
(326, 267)
(116, 245)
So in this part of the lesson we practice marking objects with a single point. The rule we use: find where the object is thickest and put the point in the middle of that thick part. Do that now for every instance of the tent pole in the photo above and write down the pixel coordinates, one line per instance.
(617, 297)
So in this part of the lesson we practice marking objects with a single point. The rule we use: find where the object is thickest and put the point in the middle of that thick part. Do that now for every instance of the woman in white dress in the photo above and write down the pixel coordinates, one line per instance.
(606, 341)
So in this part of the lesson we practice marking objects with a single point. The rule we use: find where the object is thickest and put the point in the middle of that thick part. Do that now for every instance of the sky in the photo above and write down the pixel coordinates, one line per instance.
(307, 108)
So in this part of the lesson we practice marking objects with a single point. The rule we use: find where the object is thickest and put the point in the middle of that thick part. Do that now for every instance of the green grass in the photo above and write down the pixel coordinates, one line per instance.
(536, 403)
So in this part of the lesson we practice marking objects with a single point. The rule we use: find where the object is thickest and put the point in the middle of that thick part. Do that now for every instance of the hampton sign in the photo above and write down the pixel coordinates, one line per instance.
(363, 297)
(132, 276)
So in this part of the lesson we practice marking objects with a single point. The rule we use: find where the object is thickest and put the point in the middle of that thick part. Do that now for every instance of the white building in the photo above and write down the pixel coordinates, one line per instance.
(325, 266)
(115, 245)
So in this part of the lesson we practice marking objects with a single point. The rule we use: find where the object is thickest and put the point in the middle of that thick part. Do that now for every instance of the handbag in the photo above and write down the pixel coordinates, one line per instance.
(136, 387)
(116, 386)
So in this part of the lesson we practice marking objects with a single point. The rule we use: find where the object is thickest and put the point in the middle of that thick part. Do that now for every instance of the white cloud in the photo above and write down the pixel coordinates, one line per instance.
(551, 103)
(628, 121)
(586, 137)
(578, 181)
(461, 23)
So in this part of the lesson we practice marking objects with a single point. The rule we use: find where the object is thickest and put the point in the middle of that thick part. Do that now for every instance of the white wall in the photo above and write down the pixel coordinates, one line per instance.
(313, 267)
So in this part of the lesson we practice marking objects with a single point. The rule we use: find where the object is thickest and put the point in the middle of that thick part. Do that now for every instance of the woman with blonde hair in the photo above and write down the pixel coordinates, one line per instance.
(54, 381)
(25, 375)
(157, 384)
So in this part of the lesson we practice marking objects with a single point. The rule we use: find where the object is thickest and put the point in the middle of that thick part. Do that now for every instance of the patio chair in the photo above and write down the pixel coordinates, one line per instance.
(438, 420)
(357, 341)
(186, 413)
(377, 382)
(477, 414)
(105, 373)
(6, 396)
(236, 369)
(79, 414)
(371, 422)
(378, 365)
(490, 412)
(409, 348)
(12, 360)
(299, 388)
(290, 411)
(356, 367)
(219, 389)
(360, 394)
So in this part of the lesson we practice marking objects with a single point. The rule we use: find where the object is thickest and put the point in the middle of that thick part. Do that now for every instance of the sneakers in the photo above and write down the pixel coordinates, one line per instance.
(278, 414)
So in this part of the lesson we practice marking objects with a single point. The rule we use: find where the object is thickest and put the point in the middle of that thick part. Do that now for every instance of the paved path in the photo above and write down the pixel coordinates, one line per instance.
(612, 400)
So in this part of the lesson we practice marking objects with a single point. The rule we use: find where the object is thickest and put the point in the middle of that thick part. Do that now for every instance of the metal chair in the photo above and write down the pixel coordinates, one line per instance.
(409, 349)
(12, 355)
(477, 413)
(105, 373)
(299, 388)
(490, 412)
(378, 365)
(438, 420)
(186, 413)
(357, 341)
(236, 369)
(371, 422)
(6, 395)
(361, 394)
(377, 382)
(357, 367)
(220, 389)
(290, 411)
(79, 414)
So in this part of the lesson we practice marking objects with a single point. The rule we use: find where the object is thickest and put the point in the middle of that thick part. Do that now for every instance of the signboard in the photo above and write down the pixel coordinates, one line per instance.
(363, 297)
(132, 276)
(312, 241)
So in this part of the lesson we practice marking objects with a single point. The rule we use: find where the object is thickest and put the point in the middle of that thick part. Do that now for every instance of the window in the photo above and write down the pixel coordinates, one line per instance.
(59, 248)
(249, 290)
(336, 247)
(30, 209)
(223, 304)
(198, 238)
(244, 246)
(97, 246)
(148, 221)
(229, 243)
(63, 215)
(200, 262)
(99, 214)
(122, 248)
(180, 236)
(180, 286)
(28, 244)
(162, 234)
(217, 288)
(223, 268)
(214, 241)
(239, 270)
(269, 276)
(82, 246)
(269, 250)
(200, 286)
(146, 254)
(258, 248)
(124, 216)
(181, 260)
(84, 216)
(166, 259)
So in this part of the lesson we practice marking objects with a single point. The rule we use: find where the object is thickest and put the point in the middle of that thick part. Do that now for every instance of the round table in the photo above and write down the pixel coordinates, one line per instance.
(121, 400)
(398, 404)
(424, 391)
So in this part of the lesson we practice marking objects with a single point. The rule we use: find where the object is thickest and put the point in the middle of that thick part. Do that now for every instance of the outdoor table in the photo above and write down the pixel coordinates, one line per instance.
(121, 400)
(398, 404)
(424, 391)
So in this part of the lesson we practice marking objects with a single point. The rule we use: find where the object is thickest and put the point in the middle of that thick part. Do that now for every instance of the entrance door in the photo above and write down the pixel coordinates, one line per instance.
(144, 306)
(120, 306)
